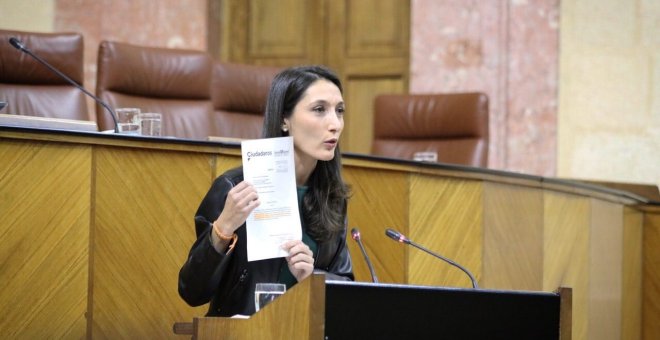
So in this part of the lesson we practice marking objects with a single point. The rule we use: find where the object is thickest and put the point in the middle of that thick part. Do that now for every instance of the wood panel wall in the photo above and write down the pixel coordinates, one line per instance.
(651, 274)
(566, 252)
(261, 32)
(605, 270)
(95, 229)
(45, 210)
(144, 207)
(447, 214)
(631, 307)
(513, 223)
(373, 208)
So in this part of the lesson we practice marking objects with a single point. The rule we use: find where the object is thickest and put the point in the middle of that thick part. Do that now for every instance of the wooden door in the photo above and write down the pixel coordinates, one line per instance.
(366, 42)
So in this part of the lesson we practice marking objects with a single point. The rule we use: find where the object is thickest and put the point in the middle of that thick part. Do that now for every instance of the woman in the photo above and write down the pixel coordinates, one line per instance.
(305, 103)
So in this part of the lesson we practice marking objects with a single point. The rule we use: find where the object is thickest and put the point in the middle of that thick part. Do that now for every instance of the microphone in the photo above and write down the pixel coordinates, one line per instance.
(19, 46)
(355, 234)
(397, 236)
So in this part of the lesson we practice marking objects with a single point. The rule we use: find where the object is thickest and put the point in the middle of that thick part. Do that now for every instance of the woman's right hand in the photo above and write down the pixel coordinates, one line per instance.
(240, 202)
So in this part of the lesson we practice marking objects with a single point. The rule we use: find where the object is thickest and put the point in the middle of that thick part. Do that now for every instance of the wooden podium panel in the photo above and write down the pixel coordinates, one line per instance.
(298, 314)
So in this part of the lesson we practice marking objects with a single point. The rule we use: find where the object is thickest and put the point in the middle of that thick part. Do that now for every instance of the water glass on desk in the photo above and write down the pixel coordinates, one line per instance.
(128, 120)
(265, 293)
(150, 124)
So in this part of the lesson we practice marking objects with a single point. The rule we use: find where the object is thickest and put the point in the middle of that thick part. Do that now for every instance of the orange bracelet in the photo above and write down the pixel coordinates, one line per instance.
(220, 235)
(233, 238)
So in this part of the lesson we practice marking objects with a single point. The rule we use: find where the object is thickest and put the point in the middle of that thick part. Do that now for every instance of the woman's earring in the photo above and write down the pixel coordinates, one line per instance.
(284, 128)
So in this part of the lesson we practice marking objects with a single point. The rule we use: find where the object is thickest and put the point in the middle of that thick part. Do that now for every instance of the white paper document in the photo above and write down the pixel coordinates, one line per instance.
(268, 165)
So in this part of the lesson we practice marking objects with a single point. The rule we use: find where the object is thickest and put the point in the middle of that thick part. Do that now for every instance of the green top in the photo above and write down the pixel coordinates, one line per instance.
(285, 274)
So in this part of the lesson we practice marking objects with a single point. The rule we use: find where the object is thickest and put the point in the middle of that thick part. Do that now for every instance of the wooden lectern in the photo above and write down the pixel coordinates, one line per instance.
(316, 309)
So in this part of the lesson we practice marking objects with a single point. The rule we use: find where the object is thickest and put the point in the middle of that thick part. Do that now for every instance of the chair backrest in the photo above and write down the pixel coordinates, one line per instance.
(454, 125)
(173, 82)
(239, 94)
(30, 88)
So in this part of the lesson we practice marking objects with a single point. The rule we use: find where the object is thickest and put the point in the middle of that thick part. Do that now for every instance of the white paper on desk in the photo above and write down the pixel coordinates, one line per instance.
(268, 165)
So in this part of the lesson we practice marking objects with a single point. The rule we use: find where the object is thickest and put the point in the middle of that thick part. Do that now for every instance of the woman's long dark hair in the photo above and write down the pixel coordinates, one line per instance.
(324, 204)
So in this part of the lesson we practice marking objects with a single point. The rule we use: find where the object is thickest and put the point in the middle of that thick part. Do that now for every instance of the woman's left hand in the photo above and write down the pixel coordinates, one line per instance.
(300, 259)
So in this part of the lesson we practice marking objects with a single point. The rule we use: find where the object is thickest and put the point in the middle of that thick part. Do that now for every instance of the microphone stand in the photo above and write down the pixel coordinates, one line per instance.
(355, 234)
(18, 45)
(397, 236)
(474, 282)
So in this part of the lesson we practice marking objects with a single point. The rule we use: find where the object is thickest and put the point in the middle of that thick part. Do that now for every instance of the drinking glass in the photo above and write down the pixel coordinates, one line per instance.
(128, 120)
(150, 124)
(265, 293)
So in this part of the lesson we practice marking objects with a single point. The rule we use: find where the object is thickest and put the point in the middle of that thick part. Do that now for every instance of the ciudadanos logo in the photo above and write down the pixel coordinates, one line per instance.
(251, 154)
(278, 153)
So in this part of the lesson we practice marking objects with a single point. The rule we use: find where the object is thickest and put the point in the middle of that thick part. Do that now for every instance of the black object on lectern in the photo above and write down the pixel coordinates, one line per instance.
(387, 311)
(320, 309)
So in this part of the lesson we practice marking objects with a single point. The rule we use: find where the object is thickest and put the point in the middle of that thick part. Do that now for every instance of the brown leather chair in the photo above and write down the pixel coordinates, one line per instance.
(455, 126)
(239, 94)
(173, 82)
(30, 88)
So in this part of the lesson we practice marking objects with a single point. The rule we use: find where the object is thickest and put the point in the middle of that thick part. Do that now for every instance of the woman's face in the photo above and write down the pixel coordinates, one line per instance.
(316, 122)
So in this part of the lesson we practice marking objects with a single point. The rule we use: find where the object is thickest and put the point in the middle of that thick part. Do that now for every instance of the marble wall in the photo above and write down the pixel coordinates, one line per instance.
(163, 23)
(505, 48)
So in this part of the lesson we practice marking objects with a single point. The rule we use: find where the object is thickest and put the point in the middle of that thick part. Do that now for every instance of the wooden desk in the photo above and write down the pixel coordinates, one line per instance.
(95, 228)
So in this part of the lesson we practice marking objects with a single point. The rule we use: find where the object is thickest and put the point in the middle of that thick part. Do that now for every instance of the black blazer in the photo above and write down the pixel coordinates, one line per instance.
(228, 280)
